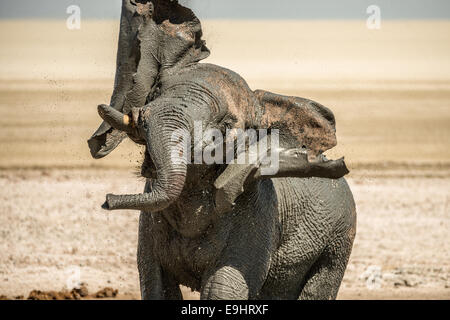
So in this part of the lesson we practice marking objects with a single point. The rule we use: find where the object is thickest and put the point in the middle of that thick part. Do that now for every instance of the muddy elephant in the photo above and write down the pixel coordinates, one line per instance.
(227, 230)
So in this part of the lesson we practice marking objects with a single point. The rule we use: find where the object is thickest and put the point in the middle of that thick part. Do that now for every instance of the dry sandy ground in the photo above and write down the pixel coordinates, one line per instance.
(389, 90)
(51, 222)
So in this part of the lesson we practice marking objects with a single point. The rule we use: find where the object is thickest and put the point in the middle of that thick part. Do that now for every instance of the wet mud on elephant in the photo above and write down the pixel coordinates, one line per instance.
(224, 230)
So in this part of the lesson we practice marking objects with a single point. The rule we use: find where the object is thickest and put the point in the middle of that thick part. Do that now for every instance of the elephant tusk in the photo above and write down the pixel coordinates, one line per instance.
(126, 120)
(115, 118)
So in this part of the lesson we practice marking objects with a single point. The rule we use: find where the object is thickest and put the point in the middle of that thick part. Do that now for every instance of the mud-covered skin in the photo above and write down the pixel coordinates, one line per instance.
(191, 242)
(288, 238)
(284, 238)
(267, 246)
(318, 220)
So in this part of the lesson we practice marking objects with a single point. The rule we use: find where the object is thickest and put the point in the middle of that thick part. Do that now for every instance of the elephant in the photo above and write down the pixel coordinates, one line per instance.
(227, 230)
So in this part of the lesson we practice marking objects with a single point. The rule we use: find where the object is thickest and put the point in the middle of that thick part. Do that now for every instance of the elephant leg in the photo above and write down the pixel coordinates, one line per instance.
(155, 283)
(226, 283)
(324, 278)
(171, 289)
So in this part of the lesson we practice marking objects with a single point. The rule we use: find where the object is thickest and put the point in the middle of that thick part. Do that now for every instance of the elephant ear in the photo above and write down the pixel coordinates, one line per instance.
(302, 123)
(153, 33)
(310, 123)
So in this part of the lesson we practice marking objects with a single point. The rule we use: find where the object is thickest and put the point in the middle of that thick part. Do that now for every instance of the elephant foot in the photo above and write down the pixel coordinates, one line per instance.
(227, 283)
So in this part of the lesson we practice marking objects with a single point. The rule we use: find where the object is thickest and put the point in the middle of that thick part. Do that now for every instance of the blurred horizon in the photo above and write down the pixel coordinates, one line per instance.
(237, 9)
(389, 88)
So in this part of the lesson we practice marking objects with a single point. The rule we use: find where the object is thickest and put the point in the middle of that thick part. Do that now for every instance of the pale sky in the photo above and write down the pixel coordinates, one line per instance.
(236, 9)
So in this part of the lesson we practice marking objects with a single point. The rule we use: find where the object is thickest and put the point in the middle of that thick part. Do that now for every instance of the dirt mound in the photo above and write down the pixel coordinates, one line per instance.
(107, 293)
(75, 294)
(53, 295)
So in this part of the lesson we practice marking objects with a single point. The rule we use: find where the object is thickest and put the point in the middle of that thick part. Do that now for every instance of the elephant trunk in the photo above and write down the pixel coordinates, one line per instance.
(127, 54)
(291, 163)
(171, 172)
(106, 139)
(295, 163)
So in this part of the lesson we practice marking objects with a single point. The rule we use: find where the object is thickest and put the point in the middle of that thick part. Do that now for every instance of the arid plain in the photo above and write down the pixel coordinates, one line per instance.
(389, 90)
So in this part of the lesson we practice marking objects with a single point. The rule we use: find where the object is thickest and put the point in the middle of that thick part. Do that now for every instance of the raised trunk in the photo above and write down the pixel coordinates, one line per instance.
(127, 54)
(127, 94)
(154, 35)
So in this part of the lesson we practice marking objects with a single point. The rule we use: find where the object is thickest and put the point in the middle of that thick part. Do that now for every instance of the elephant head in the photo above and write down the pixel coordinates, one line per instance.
(154, 125)
(154, 35)
(157, 39)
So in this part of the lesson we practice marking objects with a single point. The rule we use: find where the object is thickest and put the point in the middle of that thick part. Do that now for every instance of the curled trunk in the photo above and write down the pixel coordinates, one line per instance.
(171, 174)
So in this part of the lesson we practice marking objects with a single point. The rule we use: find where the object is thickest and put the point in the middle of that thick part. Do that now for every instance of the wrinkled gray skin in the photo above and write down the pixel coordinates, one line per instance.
(283, 238)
